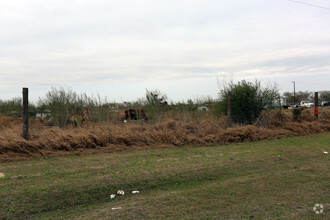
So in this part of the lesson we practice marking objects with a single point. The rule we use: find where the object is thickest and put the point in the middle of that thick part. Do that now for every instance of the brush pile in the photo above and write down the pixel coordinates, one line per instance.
(117, 136)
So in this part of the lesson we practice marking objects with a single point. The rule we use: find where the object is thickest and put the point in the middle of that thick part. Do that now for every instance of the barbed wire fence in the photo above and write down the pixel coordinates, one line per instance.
(56, 111)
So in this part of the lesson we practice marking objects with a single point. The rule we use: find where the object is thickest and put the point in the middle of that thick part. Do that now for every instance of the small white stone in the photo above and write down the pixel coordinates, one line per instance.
(116, 208)
(120, 192)
(112, 196)
(135, 192)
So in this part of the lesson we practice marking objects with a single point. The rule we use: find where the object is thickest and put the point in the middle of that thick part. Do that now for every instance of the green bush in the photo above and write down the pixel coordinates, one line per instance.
(156, 104)
(325, 96)
(247, 100)
(296, 112)
(14, 107)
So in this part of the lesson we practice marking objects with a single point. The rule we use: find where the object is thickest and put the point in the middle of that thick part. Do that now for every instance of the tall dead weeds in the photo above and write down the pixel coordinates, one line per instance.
(98, 137)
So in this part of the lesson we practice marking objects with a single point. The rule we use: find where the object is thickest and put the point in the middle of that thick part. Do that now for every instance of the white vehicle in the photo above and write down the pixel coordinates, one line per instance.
(325, 103)
(307, 104)
(203, 108)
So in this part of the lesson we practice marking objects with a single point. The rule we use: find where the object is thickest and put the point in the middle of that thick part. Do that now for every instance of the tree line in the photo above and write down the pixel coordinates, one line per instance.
(248, 99)
(305, 95)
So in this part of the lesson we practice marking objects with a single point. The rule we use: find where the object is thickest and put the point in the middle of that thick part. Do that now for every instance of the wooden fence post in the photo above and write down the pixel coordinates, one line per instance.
(316, 105)
(26, 113)
(280, 106)
(229, 109)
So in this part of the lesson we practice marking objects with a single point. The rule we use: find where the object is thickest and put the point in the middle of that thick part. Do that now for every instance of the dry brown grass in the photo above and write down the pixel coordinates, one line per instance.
(117, 136)
(5, 120)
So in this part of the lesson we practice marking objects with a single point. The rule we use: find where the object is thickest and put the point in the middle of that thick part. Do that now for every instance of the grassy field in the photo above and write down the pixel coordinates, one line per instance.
(281, 178)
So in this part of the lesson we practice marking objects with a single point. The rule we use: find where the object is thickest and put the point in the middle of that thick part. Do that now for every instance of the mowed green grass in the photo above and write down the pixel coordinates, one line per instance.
(282, 178)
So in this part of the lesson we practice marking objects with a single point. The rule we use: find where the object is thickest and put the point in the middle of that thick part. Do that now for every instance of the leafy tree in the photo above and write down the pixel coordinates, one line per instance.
(190, 106)
(11, 107)
(300, 96)
(14, 107)
(63, 102)
(156, 102)
(325, 96)
(247, 100)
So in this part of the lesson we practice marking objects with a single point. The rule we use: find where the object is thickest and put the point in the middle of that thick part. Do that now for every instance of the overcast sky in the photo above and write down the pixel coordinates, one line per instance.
(119, 48)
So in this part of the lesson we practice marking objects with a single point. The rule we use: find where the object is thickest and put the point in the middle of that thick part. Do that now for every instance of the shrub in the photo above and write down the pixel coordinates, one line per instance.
(247, 100)
(156, 103)
(296, 112)
(14, 107)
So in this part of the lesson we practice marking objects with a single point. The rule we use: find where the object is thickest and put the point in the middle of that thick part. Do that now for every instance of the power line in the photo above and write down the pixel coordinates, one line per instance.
(304, 3)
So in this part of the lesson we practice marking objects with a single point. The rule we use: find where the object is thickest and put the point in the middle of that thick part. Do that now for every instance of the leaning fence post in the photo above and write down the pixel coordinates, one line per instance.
(229, 109)
(26, 113)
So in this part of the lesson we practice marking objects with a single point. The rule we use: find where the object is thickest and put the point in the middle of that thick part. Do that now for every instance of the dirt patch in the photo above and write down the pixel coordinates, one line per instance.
(27, 175)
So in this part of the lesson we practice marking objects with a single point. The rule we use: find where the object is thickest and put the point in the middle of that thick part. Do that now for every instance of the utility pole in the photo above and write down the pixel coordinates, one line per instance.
(294, 91)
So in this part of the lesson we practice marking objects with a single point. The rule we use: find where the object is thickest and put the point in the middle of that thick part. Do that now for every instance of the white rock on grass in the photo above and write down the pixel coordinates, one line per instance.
(120, 192)
(135, 192)
(115, 208)
(112, 196)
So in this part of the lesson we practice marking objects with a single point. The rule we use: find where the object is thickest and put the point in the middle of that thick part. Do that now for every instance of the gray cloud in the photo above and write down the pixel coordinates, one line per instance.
(90, 44)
